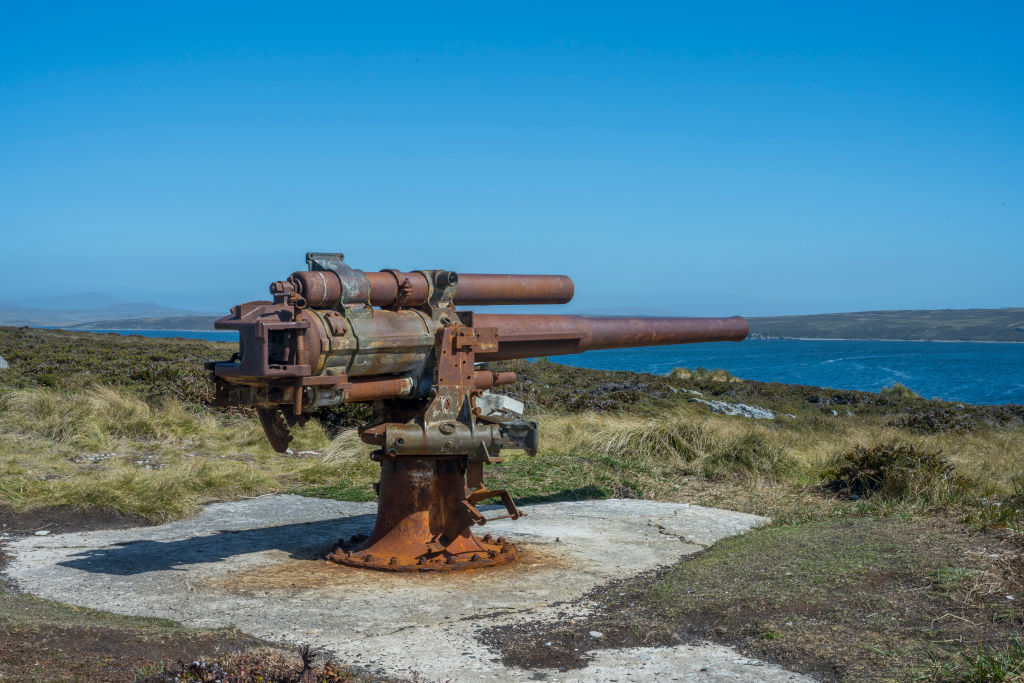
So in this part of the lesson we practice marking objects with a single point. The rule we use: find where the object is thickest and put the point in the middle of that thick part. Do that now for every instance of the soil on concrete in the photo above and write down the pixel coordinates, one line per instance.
(59, 520)
(258, 666)
(844, 599)
(97, 653)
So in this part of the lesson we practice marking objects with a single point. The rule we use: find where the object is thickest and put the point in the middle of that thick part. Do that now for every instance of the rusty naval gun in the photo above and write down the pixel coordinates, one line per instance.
(333, 334)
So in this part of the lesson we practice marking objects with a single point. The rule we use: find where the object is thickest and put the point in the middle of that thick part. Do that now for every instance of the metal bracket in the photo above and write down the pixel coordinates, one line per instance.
(469, 515)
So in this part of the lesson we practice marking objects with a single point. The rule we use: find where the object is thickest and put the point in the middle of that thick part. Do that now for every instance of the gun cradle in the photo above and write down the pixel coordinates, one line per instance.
(334, 335)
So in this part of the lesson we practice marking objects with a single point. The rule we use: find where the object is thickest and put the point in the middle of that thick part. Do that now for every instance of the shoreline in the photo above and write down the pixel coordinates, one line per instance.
(936, 341)
(755, 363)
(758, 338)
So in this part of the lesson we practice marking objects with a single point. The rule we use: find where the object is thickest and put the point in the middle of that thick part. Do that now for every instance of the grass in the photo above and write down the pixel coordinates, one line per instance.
(897, 472)
(984, 664)
(890, 510)
(704, 374)
(857, 598)
(45, 640)
(898, 390)
(105, 447)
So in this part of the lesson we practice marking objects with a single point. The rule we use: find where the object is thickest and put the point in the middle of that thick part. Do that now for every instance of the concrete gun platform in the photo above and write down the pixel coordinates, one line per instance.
(256, 564)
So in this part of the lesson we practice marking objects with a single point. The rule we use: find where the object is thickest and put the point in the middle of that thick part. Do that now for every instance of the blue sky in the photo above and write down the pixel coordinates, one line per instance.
(712, 158)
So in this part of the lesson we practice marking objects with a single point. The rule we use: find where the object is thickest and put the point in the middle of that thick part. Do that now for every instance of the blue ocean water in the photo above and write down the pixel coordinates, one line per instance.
(955, 371)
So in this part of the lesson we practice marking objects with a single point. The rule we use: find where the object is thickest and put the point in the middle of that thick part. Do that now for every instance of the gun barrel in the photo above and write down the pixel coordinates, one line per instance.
(481, 289)
(529, 336)
(472, 289)
(394, 288)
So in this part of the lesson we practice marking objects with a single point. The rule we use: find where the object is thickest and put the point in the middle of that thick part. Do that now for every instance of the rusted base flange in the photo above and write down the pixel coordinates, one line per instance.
(486, 553)
(424, 521)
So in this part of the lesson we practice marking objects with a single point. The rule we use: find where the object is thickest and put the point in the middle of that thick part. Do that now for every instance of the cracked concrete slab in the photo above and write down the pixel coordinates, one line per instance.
(256, 564)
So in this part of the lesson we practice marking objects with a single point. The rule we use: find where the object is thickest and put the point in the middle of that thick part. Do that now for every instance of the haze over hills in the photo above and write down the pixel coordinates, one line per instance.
(82, 307)
(979, 324)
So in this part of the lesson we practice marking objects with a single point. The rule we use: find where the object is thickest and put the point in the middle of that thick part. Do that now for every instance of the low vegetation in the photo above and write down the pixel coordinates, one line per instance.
(852, 598)
(898, 391)
(896, 472)
(254, 666)
(42, 640)
(890, 510)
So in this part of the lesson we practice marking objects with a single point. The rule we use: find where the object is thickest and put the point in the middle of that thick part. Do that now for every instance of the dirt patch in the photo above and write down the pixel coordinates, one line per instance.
(42, 640)
(59, 520)
(102, 653)
(844, 599)
(258, 666)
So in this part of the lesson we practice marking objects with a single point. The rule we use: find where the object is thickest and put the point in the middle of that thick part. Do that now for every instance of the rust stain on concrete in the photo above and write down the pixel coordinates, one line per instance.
(299, 576)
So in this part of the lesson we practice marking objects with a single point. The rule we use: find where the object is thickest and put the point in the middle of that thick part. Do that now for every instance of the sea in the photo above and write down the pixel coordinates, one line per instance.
(967, 372)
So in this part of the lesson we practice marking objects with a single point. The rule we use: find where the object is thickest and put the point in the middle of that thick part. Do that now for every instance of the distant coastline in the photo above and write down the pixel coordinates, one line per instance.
(994, 325)
(961, 325)
(758, 337)
(754, 337)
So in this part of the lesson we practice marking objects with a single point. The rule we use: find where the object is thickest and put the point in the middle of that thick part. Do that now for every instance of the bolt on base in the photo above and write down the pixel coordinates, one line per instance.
(483, 552)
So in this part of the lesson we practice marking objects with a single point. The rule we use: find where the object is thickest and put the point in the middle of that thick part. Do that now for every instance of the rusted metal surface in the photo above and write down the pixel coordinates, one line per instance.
(489, 290)
(362, 390)
(528, 336)
(485, 379)
(334, 334)
(332, 283)
(424, 522)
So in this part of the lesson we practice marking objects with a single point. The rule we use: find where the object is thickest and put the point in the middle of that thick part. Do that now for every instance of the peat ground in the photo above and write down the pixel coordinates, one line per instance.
(900, 570)
(845, 599)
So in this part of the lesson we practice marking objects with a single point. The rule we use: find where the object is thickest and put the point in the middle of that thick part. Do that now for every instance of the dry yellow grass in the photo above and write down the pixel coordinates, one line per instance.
(686, 438)
(105, 447)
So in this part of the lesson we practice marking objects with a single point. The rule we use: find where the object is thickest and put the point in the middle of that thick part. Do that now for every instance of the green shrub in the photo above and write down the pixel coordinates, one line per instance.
(1000, 513)
(895, 472)
(899, 391)
(704, 374)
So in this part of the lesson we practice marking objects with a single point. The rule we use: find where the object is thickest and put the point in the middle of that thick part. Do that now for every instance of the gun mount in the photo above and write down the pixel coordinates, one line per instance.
(333, 334)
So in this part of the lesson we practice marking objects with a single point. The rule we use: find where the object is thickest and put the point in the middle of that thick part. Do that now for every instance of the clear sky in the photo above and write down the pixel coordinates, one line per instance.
(704, 158)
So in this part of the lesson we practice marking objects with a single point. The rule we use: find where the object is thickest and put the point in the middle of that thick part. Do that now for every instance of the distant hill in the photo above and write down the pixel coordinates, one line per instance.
(974, 324)
(80, 310)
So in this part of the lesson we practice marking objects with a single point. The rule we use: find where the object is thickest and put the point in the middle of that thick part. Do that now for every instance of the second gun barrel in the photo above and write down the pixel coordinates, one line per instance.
(474, 289)
(530, 336)
(397, 289)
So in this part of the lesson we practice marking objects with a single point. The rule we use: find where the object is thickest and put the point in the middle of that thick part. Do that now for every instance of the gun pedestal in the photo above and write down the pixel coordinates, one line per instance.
(431, 467)
(425, 513)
